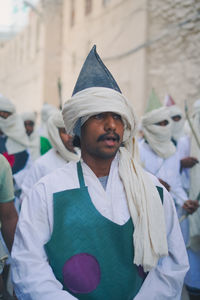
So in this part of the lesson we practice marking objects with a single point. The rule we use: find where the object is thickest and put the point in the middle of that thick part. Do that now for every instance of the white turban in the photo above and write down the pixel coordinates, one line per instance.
(177, 126)
(158, 137)
(13, 128)
(29, 116)
(46, 112)
(55, 122)
(6, 105)
(34, 138)
(149, 236)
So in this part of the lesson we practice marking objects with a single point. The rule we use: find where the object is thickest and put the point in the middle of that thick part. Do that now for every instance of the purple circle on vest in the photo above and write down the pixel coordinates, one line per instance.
(81, 273)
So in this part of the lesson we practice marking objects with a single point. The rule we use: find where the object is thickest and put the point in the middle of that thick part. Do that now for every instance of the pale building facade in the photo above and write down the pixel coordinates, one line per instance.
(144, 43)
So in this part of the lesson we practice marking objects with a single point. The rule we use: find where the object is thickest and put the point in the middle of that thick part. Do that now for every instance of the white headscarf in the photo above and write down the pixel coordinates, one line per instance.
(55, 122)
(149, 236)
(13, 128)
(46, 112)
(194, 192)
(34, 138)
(158, 137)
(177, 126)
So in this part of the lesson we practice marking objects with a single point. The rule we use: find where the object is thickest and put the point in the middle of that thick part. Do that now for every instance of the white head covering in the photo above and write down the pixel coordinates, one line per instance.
(13, 128)
(194, 192)
(177, 126)
(46, 112)
(158, 137)
(34, 138)
(149, 236)
(55, 122)
(29, 116)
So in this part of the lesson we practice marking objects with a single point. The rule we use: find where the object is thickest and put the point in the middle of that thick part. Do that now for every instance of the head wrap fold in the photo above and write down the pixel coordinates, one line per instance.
(158, 137)
(55, 122)
(177, 126)
(46, 111)
(13, 128)
(149, 236)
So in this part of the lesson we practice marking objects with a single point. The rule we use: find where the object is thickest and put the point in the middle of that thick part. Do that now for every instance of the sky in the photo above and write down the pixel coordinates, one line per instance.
(5, 13)
(14, 13)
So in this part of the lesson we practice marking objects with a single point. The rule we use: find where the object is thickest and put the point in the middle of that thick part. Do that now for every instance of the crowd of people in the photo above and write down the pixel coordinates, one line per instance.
(92, 208)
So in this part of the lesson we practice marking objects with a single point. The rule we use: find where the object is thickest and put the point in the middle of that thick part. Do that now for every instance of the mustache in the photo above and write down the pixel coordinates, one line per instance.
(106, 135)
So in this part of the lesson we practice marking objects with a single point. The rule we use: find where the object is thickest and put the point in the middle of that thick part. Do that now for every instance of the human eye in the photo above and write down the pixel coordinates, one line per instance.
(117, 117)
(98, 116)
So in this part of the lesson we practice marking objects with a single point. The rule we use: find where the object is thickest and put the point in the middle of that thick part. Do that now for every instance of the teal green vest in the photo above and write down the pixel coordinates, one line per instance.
(90, 255)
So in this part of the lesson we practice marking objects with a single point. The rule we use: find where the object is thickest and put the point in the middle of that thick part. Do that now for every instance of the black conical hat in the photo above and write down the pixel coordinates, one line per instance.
(94, 74)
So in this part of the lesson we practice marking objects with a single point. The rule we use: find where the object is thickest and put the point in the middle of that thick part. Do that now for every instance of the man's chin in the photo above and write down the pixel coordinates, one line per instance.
(107, 154)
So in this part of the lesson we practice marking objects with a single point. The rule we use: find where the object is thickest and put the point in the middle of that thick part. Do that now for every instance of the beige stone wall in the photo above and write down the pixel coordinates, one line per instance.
(31, 62)
(56, 43)
(21, 60)
(173, 61)
(115, 27)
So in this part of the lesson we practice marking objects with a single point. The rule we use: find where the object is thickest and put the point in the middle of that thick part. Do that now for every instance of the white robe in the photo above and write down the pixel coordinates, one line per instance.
(168, 170)
(183, 149)
(33, 276)
(192, 278)
(41, 167)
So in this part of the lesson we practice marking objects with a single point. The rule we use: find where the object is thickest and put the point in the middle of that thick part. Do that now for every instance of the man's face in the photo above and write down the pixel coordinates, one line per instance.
(5, 114)
(176, 118)
(101, 135)
(162, 123)
(66, 139)
(29, 126)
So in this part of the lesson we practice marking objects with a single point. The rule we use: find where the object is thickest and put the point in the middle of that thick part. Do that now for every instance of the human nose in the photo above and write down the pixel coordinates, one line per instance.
(109, 123)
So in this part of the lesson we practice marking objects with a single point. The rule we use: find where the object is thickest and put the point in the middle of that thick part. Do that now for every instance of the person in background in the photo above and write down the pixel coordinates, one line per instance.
(38, 145)
(8, 219)
(180, 140)
(62, 152)
(192, 279)
(13, 139)
(46, 111)
(159, 156)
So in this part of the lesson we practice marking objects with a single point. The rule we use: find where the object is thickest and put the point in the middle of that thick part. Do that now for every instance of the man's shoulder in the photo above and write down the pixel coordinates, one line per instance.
(4, 164)
(61, 178)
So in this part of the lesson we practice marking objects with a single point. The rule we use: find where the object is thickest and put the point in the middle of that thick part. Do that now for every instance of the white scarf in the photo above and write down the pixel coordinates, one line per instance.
(177, 126)
(34, 138)
(144, 203)
(158, 137)
(13, 128)
(55, 122)
(194, 191)
(46, 112)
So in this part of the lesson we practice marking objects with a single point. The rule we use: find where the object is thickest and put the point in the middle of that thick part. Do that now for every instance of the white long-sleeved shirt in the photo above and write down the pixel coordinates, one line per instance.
(166, 169)
(42, 166)
(32, 275)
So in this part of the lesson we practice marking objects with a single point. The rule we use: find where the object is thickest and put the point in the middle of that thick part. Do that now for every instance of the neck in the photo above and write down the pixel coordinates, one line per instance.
(100, 166)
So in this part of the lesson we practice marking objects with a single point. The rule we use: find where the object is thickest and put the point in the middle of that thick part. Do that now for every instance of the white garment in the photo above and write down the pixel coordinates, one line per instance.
(158, 137)
(165, 169)
(55, 122)
(33, 276)
(177, 126)
(183, 149)
(13, 128)
(168, 170)
(41, 167)
(46, 112)
(34, 138)
(192, 278)
(139, 189)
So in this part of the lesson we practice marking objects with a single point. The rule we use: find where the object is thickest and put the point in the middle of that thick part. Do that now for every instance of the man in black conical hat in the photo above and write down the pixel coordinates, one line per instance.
(97, 228)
